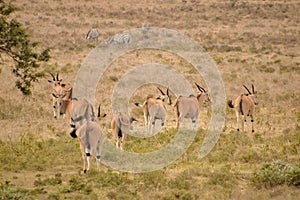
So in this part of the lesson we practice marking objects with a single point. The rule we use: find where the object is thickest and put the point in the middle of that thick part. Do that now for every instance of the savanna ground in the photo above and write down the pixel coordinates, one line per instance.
(251, 41)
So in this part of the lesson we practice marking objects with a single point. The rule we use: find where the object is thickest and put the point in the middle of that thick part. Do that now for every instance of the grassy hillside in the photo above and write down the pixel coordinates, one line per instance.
(251, 42)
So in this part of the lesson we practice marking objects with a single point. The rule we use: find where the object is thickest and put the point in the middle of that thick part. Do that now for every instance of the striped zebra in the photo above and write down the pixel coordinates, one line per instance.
(120, 38)
(93, 34)
(146, 28)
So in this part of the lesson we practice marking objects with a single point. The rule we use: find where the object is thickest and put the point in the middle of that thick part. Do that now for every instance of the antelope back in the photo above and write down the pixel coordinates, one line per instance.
(188, 106)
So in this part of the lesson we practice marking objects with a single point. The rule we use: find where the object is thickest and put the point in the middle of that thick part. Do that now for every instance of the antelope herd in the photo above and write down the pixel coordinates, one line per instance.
(85, 127)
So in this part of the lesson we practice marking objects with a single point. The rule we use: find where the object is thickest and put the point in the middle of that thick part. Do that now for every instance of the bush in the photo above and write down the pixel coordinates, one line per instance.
(276, 173)
(49, 181)
(9, 191)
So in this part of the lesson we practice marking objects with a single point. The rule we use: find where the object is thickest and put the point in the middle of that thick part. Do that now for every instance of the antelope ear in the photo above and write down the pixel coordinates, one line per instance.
(54, 95)
(132, 119)
(49, 81)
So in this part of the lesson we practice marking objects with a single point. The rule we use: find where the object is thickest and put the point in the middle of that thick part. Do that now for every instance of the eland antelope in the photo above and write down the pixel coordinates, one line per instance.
(90, 139)
(155, 108)
(79, 111)
(120, 126)
(189, 107)
(244, 105)
(59, 89)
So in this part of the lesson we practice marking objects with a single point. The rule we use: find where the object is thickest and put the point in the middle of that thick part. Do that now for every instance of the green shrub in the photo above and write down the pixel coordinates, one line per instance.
(9, 191)
(49, 181)
(276, 173)
(266, 69)
(114, 78)
(179, 194)
(108, 179)
(54, 197)
(224, 177)
(180, 182)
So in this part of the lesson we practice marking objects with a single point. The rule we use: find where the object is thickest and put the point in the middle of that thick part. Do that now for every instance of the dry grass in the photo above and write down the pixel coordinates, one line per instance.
(251, 41)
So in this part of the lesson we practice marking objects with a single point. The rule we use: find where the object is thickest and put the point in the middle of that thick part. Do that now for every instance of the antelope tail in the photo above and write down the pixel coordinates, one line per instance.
(119, 125)
(230, 104)
(241, 106)
(175, 105)
(73, 133)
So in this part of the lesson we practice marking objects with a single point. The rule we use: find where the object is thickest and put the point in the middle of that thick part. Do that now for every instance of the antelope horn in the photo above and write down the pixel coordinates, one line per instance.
(247, 89)
(168, 92)
(161, 91)
(253, 88)
(203, 89)
(199, 88)
(98, 111)
(57, 76)
(53, 77)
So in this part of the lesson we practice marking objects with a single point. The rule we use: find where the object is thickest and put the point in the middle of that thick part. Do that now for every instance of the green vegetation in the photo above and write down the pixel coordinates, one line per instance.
(277, 173)
(236, 159)
(250, 41)
(15, 43)
(266, 69)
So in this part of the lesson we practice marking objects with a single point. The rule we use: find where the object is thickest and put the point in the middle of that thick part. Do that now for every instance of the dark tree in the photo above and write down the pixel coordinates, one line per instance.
(15, 43)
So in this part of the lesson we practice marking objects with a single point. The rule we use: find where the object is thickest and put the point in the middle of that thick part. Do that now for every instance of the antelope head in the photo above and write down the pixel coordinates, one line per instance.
(252, 94)
(55, 80)
(59, 98)
(204, 92)
(165, 97)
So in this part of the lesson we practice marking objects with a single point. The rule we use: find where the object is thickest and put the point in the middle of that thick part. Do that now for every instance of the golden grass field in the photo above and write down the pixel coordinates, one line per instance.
(252, 42)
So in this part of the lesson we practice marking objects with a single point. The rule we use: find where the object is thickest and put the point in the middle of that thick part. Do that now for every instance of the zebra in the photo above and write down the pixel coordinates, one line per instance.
(146, 28)
(120, 38)
(93, 34)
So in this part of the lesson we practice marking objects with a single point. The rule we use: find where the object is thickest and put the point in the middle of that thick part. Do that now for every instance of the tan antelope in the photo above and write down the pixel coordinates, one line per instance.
(189, 107)
(78, 110)
(90, 138)
(244, 105)
(154, 108)
(59, 89)
(120, 126)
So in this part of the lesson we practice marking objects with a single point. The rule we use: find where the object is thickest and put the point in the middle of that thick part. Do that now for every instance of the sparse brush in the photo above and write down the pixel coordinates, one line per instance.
(9, 191)
(276, 173)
